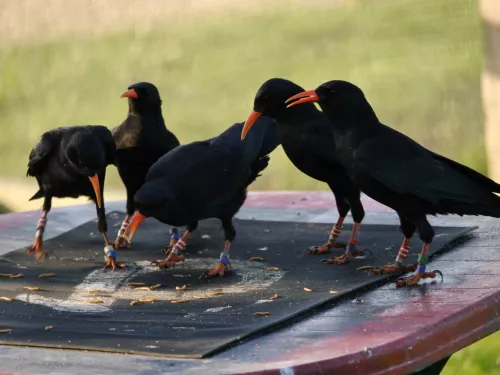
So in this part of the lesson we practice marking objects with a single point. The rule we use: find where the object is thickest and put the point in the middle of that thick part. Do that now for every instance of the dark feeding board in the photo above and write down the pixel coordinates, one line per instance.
(196, 328)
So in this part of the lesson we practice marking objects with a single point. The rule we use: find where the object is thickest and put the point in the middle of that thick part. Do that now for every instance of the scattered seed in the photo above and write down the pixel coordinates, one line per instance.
(46, 275)
(147, 299)
(215, 293)
(142, 288)
(5, 330)
(6, 299)
(274, 297)
(154, 286)
(95, 301)
(308, 290)
(200, 297)
(32, 288)
(96, 291)
(6, 274)
(137, 284)
(273, 269)
(179, 301)
(254, 259)
(18, 276)
(133, 303)
(334, 292)
(48, 328)
(261, 313)
(181, 287)
(364, 268)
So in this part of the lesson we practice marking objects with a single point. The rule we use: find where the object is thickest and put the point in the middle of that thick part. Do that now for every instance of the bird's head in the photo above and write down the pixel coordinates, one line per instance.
(337, 99)
(270, 101)
(142, 97)
(88, 159)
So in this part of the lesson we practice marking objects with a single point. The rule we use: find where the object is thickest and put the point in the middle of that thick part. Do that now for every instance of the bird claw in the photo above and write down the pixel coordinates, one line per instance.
(343, 259)
(37, 249)
(121, 242)
(217, 271)
(323, 249)
(392, 268)
(163, 264)
(111, 264)
(414, 279)
(317, 250)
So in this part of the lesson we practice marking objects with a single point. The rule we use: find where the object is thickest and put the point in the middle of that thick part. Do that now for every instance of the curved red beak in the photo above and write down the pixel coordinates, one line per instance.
(130, 94)
(252, 117)
(309, 96)
(97, 189)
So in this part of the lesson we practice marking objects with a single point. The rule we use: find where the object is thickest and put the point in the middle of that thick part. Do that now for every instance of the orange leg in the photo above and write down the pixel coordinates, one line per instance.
(175, 254)
(397, 266)
(332, 240)
(351, 250)
(121, 241)
(421, 272)
(37, 247)
(223, 265)
(110, 258)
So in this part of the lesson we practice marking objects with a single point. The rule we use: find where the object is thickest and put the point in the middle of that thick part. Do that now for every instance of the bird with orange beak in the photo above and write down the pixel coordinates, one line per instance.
(396, 171)
(307, 139)
(140, 141)
(70, 162)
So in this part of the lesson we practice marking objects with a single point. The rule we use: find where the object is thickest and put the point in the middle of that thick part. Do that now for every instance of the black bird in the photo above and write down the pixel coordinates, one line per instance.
(140, 141)
(398, 172)
(307, 139)
(70, 162)
(205, 179)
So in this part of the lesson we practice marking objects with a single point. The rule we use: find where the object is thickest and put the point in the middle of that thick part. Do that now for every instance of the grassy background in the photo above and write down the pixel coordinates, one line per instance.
(418, 61)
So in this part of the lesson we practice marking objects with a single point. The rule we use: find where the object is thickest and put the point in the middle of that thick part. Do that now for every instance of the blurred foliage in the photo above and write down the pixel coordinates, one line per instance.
(481, 358)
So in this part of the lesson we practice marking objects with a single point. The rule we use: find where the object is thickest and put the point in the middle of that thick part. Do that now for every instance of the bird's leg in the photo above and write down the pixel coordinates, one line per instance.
(37, 247)
(421, 272)
(332, 240)
(397, 266)
(121, 241)
(174, 238)
(110, 255)
(175, 255)
(351, 250)
(223, 265)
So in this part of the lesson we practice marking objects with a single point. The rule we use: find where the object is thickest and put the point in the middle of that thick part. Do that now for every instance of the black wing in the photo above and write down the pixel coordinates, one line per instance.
(406, 167)
(41, 153)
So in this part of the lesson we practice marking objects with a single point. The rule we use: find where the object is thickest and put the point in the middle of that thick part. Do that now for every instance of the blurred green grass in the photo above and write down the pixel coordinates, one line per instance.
(481, 358)
(418, 61)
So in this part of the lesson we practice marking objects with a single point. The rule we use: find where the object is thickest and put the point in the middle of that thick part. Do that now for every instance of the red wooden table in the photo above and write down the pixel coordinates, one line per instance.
(383, 331)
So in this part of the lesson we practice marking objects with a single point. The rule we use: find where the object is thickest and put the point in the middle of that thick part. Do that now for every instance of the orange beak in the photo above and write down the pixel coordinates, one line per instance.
(137, 219)
(249, 123)
(130, 94)
(97, 189)
(304, 97)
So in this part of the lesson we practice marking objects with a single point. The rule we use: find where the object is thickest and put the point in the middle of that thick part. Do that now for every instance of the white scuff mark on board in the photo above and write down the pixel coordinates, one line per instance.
(252, 276)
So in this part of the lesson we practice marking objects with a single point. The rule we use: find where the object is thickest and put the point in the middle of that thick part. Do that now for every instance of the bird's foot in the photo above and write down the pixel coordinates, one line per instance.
(110, 259)
(392, 268)
(223, 265)
(37, 248)
(314, 250)
(173, 257)
(345, 258)
(121, 242)
(415, 278)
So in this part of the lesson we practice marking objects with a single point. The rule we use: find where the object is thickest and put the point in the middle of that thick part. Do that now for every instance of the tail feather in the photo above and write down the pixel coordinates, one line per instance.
(39, 194)
(477, 177)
